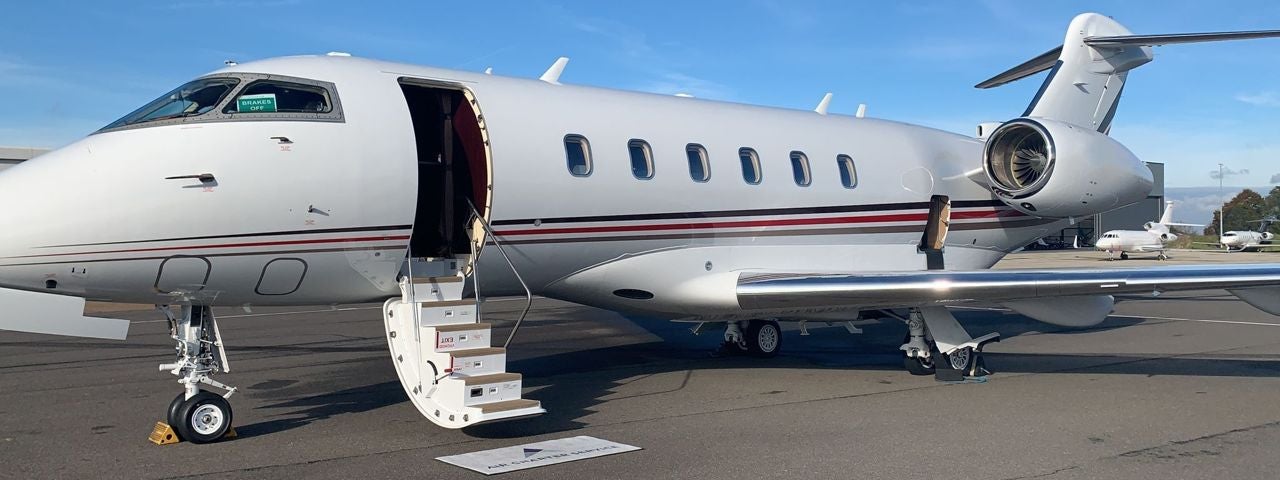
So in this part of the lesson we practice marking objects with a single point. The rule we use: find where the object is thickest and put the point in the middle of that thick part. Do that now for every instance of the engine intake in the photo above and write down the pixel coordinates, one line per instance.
(1054, 169)
(1019, 158)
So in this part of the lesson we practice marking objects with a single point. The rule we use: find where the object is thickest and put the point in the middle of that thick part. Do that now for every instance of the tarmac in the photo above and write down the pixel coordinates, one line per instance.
(1181, 387)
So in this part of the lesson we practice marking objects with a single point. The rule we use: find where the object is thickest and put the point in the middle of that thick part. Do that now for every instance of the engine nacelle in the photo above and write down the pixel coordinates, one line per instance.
(1053, 169)
(1168, 237)
(1268, 236)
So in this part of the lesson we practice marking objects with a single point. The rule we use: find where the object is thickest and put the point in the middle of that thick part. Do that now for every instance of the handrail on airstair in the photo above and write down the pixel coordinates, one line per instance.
(475, 260)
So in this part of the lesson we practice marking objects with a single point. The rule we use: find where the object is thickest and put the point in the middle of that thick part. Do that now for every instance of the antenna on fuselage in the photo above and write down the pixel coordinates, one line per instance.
(822, 105)
(552, 75)
(488, 70)
(230, 63)
(862, 110)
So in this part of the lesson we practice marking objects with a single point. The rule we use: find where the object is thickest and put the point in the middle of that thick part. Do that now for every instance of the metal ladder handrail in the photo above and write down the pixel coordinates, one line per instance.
(528, 294)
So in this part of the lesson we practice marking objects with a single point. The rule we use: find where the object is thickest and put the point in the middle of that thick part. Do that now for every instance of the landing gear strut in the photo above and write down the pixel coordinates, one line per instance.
(760, 338)
(936, 341)
(199, 416)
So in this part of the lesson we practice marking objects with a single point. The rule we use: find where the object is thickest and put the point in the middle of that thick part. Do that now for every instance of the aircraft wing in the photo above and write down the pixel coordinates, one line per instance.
(1257, 284)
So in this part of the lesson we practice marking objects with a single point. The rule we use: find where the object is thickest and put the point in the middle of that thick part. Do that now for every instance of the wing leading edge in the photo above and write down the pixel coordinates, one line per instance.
(1256, 284)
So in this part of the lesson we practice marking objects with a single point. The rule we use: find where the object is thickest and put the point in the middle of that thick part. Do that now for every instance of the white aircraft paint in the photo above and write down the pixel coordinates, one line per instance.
(1152, 238)
(308, 180)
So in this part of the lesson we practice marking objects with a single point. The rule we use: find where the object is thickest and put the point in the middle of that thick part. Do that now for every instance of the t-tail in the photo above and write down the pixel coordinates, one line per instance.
(1088, 72)
(1056, 159)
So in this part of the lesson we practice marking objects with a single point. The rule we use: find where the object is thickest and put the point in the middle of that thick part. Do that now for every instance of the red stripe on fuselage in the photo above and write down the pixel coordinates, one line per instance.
(784, 222)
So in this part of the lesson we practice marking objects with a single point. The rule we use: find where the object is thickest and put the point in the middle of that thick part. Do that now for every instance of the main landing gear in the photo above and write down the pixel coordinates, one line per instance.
(759, 338)
(1123, 255)
(197, 415)
(936, 344)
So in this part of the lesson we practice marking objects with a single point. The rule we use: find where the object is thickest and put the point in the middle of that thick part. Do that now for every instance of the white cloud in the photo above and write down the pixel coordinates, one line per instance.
(1225, 172)
(1261, 99)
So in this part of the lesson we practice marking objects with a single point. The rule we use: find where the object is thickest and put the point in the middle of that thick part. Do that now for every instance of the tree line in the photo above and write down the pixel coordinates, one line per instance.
(1246, 207)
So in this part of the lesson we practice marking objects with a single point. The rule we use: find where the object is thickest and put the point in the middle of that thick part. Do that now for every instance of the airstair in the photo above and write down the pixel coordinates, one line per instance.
(444, 353)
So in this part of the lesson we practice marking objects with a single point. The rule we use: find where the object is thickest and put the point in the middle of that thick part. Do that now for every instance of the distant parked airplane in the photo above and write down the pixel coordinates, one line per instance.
(1249, 240)
(1154, 237)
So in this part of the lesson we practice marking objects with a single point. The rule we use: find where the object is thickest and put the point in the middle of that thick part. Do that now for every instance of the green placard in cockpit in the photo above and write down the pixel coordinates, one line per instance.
(263, 102)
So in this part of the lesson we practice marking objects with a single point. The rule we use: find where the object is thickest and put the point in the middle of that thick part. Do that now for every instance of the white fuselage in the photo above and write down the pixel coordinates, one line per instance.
(1132, 241)
(327, 217)
(1242, 240)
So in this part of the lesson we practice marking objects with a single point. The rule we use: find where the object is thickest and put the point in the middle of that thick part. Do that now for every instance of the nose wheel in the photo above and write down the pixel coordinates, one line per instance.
(197, 415)
(202, 418)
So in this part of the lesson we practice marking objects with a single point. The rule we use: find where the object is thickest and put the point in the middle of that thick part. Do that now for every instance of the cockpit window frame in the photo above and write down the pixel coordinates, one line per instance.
(215, 115)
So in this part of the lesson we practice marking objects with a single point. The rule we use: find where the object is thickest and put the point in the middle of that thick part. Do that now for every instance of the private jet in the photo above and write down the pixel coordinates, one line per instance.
(1153, 237)
(318, 180)
(1249, 240)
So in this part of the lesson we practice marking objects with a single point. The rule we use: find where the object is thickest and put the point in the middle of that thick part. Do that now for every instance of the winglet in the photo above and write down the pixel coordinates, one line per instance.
(822, 105)
(552, 75)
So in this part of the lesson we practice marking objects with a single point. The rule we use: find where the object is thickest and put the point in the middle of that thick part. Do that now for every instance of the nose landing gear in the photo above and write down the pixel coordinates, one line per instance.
(197, 415)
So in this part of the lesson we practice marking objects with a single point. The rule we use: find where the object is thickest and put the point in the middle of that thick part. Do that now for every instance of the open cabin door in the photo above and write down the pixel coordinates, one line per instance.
(454, 169)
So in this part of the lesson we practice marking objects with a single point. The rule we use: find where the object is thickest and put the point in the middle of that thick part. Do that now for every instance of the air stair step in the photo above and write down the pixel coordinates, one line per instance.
(461, 336)
(478, 361)
(504, 406)
(490, 378)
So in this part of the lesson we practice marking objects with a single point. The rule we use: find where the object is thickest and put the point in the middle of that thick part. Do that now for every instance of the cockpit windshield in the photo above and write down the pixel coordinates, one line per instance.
(193, 98)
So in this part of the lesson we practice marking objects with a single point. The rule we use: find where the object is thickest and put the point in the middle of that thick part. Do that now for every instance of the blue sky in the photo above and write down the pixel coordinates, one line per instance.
(69, 67)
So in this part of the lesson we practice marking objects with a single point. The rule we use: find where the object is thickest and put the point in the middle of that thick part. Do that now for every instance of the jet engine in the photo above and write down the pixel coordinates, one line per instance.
(1053, 169)
(1268, 236)
(1168, 237)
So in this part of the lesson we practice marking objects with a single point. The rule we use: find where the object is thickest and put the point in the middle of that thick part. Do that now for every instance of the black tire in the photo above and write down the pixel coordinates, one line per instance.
(918, 366)
(172, 418)
(764, 338)
(1124, 256)
(204, 418)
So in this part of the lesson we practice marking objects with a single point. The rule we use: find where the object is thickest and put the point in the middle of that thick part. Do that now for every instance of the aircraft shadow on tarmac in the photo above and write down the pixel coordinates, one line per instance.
(572, 385)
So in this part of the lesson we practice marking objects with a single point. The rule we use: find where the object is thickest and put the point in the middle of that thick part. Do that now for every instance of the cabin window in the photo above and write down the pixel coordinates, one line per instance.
(800, 168)
(848, 173)
(750, 165)
(578, 155)
(699, 163)
(272, 96)
(641, 159)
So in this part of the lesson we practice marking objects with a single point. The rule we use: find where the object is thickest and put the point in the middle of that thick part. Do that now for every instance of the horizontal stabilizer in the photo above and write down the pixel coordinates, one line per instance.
(1047, 59)
(1174, 38)
(35, 312)
(1028, 68)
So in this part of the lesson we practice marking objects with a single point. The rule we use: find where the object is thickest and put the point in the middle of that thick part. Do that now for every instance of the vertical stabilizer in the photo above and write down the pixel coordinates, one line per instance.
(1087, 73)
(1167, 218)
(1084, 85)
